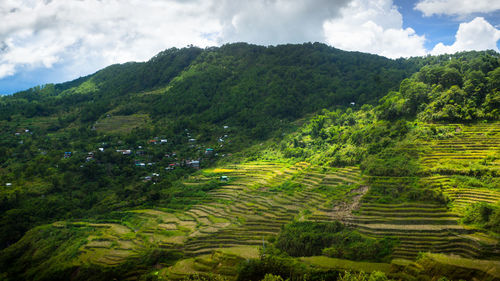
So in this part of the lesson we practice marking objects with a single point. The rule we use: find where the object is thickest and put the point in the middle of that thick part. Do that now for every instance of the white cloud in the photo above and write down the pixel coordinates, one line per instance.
(477, 35)
(270, 22)
(6, 70)
(90, 34)
(78, 37)
(456, 7)
(373, 27)
(94, 33)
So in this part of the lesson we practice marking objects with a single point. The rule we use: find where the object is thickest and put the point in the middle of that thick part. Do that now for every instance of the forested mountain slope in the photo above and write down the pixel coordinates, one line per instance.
(178, 95)
(236, 84)
(291, 139)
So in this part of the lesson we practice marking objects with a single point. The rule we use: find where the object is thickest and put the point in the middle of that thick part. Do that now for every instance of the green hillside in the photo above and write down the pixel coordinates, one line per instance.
(314, 162)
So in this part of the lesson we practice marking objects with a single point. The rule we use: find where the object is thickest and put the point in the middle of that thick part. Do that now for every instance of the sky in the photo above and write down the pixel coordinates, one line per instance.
(52, 41)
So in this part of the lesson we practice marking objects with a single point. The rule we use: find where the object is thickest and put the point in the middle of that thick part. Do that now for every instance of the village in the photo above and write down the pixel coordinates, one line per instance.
(150, 157)
(155, 156)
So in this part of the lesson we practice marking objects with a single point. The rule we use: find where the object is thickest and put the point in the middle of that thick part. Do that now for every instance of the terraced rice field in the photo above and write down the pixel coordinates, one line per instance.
(257, 212)
(475, 150)
(425, 227)
(258, 199)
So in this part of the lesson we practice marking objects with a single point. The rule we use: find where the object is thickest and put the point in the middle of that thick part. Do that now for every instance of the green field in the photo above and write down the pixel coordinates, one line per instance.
(121, 124)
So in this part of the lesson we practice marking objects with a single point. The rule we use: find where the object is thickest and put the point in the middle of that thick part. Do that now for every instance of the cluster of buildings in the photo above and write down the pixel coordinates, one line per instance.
(173, 161)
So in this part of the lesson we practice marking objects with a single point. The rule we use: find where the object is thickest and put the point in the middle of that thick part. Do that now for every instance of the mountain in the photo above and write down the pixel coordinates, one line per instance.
(101, 175)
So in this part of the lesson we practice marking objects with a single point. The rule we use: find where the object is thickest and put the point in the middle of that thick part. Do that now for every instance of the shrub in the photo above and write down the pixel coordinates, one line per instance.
(333, 240)
(361, 276)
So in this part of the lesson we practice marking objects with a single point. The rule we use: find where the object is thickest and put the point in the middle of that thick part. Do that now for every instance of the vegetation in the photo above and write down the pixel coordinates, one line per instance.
(361, 276)
(483, 214)
(178, 95)
(301, 239)
(100, 176)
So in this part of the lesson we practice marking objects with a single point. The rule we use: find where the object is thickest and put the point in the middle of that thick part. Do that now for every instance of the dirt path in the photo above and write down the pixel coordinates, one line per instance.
(343, 210)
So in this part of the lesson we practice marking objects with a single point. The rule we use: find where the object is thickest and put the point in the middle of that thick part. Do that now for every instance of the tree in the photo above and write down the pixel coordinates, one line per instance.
(450, 77)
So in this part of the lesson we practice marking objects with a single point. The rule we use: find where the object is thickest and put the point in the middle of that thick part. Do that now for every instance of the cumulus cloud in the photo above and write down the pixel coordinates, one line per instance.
(270, 22)
(373, 27)
(42, 33)
(477, 34)
(93, 33)
(90, 34)
(456, 7)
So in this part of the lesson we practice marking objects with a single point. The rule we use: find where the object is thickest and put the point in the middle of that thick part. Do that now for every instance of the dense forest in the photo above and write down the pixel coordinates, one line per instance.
(127, 138)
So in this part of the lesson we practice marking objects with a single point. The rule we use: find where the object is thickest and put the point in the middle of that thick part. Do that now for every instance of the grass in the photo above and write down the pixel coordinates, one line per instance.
(221, 170)
(222, 262)
(490, 267)
(247, 252)
(121, 124)
(333, 263)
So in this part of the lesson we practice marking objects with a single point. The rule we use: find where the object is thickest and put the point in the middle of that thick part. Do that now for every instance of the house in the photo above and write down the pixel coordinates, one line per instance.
(170, 167)
(353, 103)
(224, 178)
(101, 149)
(90, 157)
(124, 151)
(147, 178)
(152, 141)
(162, 141)
(226, 127)
(209, 151)
(192, 140)
(193, 164)
(67, 154)
(8, 184)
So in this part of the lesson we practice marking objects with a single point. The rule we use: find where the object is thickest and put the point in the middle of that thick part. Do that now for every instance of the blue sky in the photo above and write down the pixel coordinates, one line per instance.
(440, 28)
(52, 41)
(436, 28)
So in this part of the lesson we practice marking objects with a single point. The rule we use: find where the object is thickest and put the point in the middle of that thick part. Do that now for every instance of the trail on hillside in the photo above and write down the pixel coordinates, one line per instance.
(343, 210)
